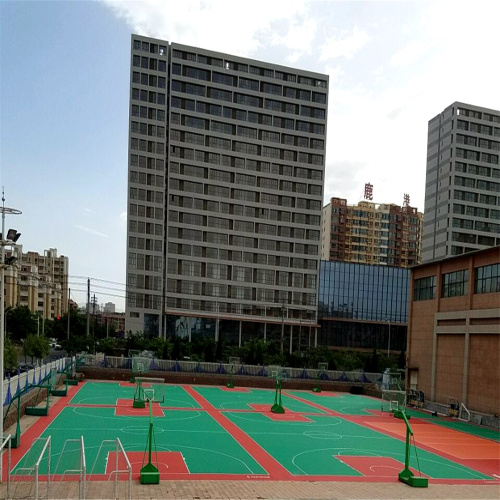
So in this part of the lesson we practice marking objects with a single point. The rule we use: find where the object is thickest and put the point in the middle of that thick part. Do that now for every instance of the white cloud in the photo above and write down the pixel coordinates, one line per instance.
(345, 44)
(91, 231)
(216, 25)
(410, 53)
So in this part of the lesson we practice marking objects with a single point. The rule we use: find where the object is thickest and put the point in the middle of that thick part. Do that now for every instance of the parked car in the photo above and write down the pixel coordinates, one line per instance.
(25, 367)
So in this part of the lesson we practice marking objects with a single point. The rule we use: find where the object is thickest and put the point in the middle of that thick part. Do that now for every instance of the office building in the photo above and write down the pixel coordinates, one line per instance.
(369, 233)
(462, 188)
(363, 306)
(226, 173)
(453, 335)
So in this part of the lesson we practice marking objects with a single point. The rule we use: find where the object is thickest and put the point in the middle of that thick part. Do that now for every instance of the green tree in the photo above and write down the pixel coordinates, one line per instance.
(10, 354)
(20, 322)
(36, 347)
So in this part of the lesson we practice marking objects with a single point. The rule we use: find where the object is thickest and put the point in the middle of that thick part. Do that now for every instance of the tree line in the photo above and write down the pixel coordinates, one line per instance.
(24, 334)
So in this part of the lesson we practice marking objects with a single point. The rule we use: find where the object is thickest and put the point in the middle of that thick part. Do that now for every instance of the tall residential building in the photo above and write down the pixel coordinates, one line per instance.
(368, 233)
(226, 173)
(39, 282)
(462, 188)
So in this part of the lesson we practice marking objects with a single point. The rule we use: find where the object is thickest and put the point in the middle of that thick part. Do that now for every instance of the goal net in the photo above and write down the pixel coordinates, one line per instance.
(393, 400)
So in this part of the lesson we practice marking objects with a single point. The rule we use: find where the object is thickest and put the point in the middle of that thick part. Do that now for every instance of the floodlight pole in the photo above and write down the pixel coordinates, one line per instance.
(3, 243)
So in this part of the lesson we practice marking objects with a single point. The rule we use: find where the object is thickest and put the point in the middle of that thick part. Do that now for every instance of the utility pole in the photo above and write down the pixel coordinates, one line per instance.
(93, 320)
(69, 308)
(88, 307)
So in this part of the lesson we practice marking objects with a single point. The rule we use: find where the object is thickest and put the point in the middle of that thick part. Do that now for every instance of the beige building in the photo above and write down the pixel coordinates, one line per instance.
(38, 281)
(369, 233)
(453, 331)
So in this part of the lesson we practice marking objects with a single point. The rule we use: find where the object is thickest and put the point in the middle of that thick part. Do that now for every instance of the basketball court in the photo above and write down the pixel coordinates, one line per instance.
(203, 432)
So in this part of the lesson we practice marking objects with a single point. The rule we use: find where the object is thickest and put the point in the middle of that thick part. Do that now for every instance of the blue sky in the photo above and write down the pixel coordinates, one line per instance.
(64, 87)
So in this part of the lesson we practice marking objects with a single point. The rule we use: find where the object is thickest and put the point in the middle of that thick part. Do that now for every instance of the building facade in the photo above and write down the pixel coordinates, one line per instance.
(462, 188)
(453, 335)
(38, 281)
(226, 173)
(369, 233)
(363, 306)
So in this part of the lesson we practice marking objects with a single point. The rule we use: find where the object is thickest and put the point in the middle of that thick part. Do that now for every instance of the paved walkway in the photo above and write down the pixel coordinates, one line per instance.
(251, 490)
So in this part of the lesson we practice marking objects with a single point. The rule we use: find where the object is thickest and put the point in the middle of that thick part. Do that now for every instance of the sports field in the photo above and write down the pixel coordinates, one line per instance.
(204, 432)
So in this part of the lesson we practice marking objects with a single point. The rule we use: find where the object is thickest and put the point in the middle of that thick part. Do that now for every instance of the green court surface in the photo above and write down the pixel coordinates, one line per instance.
(204, 432)
(98, 393)
(235, 400)
(317, 448)
(340, 402)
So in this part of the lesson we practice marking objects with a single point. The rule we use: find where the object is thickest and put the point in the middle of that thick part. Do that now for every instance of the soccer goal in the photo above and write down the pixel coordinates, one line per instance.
(31, 477)
(155, 388)
(393, 400)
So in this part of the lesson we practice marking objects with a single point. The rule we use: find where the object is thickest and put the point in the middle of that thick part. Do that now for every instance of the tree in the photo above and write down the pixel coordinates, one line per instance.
(36, 347)
(20, 322)
(10, 355)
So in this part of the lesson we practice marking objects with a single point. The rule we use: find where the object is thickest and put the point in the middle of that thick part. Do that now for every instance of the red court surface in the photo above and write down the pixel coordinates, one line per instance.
(167, 462)
(235, 389)
(449, 441)
(124, 408)
(288, 416)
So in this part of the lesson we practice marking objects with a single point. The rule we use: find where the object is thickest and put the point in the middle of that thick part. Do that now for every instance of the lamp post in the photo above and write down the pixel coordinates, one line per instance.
(8, 239)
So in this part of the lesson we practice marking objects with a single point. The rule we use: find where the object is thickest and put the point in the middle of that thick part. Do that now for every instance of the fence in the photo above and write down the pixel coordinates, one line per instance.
(13, 385)
(113, 362)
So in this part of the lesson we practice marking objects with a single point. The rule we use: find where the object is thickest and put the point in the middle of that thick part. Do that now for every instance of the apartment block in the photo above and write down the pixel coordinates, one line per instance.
(462, 189)
(39, 281)
(369, 233)
(225, 188)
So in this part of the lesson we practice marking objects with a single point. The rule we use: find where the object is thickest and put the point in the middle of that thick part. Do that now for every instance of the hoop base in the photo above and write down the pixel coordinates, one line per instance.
(277, 408)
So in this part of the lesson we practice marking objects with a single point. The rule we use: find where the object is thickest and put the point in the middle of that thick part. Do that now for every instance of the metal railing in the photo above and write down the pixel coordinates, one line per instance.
(13, 385)
(186, 366)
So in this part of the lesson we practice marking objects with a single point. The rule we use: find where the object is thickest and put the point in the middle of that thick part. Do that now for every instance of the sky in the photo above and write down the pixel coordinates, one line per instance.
(64, 100)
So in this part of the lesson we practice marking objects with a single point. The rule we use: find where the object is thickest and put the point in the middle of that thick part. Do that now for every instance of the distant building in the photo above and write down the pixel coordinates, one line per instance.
(109, 307)
(462, 193)
(453, 335)
(39, 282)
(369, 233)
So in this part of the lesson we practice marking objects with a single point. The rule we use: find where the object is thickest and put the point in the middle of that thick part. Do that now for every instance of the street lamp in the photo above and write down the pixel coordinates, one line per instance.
(5, 240)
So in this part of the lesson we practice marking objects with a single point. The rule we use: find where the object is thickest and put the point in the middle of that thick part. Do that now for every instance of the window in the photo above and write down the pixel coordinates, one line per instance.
(455, 284)
(487, 279)
(424, 288)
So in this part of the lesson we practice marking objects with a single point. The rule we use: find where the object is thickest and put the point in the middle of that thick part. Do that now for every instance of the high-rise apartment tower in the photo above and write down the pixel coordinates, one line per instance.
(369, 233)
(462, 188)
(226, 173)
